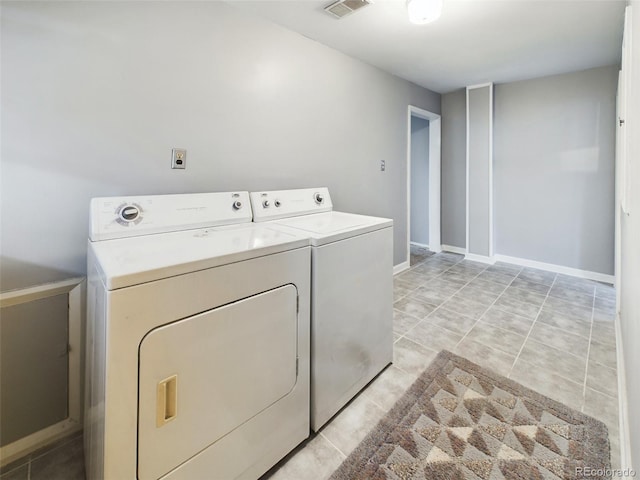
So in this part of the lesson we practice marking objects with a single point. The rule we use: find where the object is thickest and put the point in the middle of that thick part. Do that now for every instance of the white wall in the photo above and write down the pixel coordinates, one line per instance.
(630, 250)
(419, 181)
(95, 95)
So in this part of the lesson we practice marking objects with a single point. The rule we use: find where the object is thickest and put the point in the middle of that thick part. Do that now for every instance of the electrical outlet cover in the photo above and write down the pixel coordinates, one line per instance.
(179, 158)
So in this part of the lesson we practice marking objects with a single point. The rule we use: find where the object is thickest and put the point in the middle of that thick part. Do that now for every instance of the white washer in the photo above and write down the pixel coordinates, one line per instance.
(197, 339)
(351, 292)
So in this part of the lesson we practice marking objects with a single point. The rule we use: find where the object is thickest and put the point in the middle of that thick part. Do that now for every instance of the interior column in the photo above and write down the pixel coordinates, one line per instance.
(480, 172)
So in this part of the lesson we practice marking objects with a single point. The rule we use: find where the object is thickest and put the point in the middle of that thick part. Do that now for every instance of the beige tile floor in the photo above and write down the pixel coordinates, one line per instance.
(550, 332)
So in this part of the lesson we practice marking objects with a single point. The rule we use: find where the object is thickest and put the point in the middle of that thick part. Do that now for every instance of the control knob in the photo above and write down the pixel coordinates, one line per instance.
(129, 213)
(266, 203)
(277, 203)
(318, 198)
(237, 205)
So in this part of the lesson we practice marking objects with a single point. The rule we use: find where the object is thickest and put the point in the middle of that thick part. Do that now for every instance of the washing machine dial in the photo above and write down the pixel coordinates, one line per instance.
(277, 203)
(237, 205)
(266, 203)
(318, 198)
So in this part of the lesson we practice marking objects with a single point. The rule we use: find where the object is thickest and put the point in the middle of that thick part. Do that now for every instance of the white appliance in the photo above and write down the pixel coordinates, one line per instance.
(197, 339)
(351, 292)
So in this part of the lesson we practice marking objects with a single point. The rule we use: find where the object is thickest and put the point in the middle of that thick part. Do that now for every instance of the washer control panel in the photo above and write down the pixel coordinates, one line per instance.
(119, 217)
(277, 204)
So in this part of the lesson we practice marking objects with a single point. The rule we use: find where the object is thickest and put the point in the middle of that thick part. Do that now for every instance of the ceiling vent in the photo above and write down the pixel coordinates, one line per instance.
(342, 8)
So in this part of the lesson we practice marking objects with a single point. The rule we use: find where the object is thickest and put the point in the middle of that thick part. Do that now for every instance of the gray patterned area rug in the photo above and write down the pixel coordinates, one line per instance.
(460, 421)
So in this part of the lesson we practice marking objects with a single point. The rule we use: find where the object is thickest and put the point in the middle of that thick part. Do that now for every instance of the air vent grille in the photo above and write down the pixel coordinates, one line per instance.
(344, 7)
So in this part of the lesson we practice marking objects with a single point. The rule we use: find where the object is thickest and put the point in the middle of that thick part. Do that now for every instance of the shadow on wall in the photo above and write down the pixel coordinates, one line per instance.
(16, 274)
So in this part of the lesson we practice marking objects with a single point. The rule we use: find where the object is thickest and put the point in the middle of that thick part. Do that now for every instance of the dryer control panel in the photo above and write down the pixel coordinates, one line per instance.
(278, 204)
(120, 217)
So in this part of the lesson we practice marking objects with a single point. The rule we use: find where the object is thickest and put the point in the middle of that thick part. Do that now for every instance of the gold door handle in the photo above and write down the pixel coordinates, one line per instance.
(167, 400)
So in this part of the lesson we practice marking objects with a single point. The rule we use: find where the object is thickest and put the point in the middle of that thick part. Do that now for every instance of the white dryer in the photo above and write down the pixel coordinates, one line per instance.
(197, 339)
(351, 292)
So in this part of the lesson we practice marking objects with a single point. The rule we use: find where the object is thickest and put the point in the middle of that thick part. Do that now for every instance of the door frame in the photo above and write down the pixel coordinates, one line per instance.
(435, 244)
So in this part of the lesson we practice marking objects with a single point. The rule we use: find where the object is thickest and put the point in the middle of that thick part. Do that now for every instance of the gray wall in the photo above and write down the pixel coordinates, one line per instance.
(419, 181)
(479, 134)
(33, 366)
(454, 169)
(554, 169)
(95, 95)
(630, 257)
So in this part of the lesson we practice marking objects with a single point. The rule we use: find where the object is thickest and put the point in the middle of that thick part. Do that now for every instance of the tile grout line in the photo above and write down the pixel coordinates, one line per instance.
(574, 290)
(604, 393)
(440, 306)
(422, 301)
(413, 376)
(453, 295)
(402, 369)
(377, 404)
(553, 327)
(332, 444)
(493, 347)
(419, 286)
(586, 368)
(487, 309)
(437, 306)
(532, 326)
(547, 295)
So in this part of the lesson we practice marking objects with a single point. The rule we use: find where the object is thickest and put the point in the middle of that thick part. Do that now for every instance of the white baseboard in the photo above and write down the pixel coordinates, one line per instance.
(623, 409)
(421, 245)
(452, 249)
(574, 272)
(480, 258)
(401, 267)
(33, 442)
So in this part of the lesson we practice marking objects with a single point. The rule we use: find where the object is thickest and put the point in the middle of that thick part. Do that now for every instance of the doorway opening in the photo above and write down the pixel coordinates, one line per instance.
(423, 183)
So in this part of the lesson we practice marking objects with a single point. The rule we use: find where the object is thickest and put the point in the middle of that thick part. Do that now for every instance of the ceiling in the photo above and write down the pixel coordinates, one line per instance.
(474, 41)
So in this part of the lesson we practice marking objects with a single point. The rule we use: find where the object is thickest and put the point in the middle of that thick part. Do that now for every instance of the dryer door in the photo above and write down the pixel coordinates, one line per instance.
(202, 377)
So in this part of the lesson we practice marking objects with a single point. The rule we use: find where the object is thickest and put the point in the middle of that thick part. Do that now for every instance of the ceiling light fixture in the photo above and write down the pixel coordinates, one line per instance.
(424, 11)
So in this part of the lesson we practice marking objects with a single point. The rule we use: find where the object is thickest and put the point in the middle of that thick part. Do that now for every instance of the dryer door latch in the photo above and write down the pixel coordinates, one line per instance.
(167, 401)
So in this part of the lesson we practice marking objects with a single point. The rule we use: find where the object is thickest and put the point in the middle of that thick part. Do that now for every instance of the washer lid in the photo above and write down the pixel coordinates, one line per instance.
(333, 226)
(131, 261)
